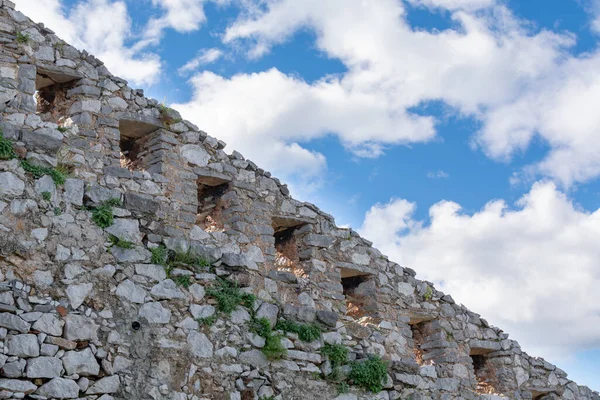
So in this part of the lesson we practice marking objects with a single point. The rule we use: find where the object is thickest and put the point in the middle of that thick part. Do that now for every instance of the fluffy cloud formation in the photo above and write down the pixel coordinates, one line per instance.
(181, 15)
(532, 270)
(85, 27)
(520, 84)
(251, 110)
(453, 4)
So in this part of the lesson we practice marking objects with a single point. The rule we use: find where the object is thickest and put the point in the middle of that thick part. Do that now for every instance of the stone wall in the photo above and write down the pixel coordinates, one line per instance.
(110, 278)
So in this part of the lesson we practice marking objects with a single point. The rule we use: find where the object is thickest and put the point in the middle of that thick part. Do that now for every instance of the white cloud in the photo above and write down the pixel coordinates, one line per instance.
(251, 110)
(519, 84)
(454, 4)
(532, 270)
(85, 27)
(180, 15)
(438, 175)
(204, 57)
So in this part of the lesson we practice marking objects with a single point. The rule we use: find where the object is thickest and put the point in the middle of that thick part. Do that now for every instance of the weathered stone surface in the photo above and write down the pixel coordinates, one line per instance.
(200, 345)
(78, 293)
(268, 311)
(59, 388)
(79, 327)
(80, 362)
(14, 322)
(44, 367)
(167, 289)
(109, 384)
(18, 386)
(155, 313)
(254, 358)
(195, 155)
(130, 291)
(10, 185)
(23, 346)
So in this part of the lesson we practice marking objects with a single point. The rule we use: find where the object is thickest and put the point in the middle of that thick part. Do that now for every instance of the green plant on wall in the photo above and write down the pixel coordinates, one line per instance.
(369, 374)
(23, 38)
(58, 176)
(273, 348)
(103, 214)
(306, 332)
(229, 296)
(7, 149)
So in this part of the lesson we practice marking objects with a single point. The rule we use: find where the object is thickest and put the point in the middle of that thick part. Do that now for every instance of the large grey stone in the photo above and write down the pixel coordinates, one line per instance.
(141, 203)
(238, 260)
(108, 384)
(13, 322)
(200, 345)
(47, 139)
(78, 293)
(154, 272)
(79, 327)
(195, 154)
(131, 292)
(74, 189)
(23, 346)
(328, 318)
(98, 194)
(10, 185)
(59, 388)
(155, 313)
(50, 324)
(15, 385)
(167, 289)
(202, 311)
(44, 367)
(126, 229)
(255, 358)
(268, 311)
(81, 362)
(14, 369)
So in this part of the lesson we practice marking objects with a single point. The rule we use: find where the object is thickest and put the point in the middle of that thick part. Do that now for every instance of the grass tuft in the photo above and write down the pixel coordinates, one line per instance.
(182, 280)
(23, 38)
(229, 296)
(306, 332)
(118, 242)
(58, 176)
(47, 196)
(159, 255)
(208, 321)
(369, 374)
(336, 353)
(7, 149)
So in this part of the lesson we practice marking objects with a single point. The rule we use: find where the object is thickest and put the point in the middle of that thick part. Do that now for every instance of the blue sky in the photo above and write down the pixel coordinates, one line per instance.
(459, 135)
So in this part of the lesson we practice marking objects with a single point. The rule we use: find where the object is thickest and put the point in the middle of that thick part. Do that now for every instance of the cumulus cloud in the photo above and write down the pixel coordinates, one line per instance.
(531, 269)
(251, 110)
(85, 27)
(453, 4)
(204, 57)
(521, 84)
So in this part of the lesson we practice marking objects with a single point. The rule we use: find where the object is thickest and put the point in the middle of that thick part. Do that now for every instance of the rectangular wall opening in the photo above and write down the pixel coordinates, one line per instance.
(135, 137)
(210, 206)
(51, 87)
(286, 248)
(418, 340)
(287, 253)
(359, 289)
(484, 374)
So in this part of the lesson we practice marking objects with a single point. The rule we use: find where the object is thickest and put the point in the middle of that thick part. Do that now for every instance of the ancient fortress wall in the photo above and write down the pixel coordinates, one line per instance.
(122, 228)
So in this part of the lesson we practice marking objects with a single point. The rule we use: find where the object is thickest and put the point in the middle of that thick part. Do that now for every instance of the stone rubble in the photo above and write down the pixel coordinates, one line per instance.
(90, 313)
